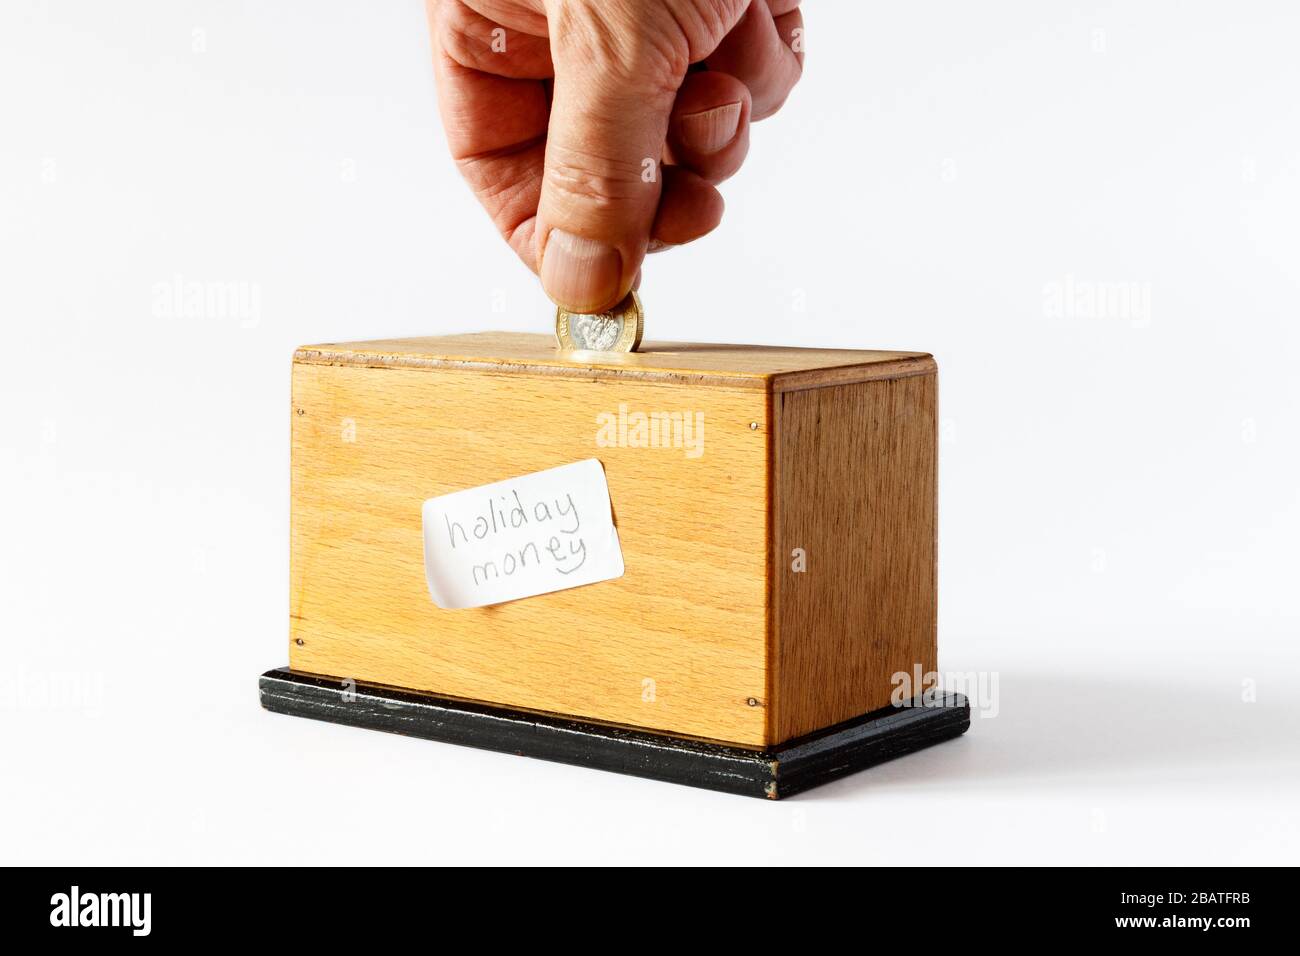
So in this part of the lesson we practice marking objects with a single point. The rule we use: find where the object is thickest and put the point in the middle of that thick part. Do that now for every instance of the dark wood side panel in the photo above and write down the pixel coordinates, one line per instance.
(855, 488)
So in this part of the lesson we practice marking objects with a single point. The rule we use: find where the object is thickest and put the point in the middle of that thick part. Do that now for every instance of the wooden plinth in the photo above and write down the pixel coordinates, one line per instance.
(772, 772)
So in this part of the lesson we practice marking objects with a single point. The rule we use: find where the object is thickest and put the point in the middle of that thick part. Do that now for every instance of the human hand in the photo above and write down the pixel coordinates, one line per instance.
(583, 133)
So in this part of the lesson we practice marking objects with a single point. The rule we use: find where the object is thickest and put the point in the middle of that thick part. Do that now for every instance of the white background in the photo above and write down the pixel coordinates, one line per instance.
(1119, 506)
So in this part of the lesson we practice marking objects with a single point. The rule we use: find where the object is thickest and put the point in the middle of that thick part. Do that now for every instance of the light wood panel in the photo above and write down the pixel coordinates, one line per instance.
(768, 368)
(739, 648)
(855, 488)
(689, 614)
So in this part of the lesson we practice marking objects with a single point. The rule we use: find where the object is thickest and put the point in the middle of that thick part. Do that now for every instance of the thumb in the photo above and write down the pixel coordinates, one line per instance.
(614, 88)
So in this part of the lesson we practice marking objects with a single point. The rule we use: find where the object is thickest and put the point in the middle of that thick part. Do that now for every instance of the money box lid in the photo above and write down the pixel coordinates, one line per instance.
(773, 368)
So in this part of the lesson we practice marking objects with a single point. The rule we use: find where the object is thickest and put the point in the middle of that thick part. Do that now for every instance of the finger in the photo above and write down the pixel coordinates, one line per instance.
(600, 189)
(709, 130)
(474, 41)
(496, 130)
(789, 27)
(688, 208)
(755, 53)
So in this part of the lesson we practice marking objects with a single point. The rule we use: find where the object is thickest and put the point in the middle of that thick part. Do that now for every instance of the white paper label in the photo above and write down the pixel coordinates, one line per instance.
(513, 539)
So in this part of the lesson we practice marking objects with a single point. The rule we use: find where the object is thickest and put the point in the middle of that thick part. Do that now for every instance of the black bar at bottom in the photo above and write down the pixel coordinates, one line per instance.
(774, 773)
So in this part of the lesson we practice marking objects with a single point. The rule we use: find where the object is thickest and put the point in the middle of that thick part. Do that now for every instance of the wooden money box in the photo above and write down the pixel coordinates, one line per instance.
(775, 509)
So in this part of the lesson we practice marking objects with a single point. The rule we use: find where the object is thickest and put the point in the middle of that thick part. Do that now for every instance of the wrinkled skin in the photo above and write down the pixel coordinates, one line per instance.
(586, 133)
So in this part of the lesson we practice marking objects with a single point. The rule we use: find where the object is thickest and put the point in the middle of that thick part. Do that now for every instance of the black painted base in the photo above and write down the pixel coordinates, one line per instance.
(774, 773)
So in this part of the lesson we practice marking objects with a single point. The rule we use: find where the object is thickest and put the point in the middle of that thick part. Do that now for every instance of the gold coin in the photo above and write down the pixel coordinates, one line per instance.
(618, 330)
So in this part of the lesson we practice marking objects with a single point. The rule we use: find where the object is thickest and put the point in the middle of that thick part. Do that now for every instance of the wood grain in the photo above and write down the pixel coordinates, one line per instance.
(709, 633)
(689, 613)
(768, 368)
(855, 489)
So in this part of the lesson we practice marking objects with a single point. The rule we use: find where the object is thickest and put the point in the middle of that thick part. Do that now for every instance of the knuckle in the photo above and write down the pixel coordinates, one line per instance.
(593, 181)
(631, 45)
(462, 34)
